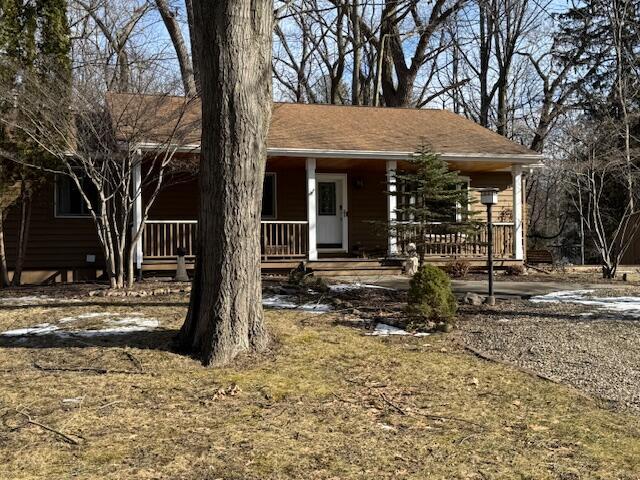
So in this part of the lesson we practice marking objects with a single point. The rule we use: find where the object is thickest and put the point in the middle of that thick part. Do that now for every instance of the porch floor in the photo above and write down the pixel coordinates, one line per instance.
(335, 266)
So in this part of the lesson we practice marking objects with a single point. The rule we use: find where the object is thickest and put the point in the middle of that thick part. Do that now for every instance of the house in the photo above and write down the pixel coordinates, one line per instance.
(325, 202)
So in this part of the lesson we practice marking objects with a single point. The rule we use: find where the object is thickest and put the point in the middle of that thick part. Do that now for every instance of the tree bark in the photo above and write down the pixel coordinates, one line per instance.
(23, 235)
(194, 43)
(225, 315)
(184, 60)
(355, 74)
(4, 271)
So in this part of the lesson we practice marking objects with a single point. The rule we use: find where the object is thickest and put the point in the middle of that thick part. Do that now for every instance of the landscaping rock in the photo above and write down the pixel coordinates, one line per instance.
(471, 298)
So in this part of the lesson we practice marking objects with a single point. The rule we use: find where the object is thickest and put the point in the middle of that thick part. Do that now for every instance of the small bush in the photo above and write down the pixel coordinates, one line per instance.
(515, 270)
(457, 268)
(431, 300)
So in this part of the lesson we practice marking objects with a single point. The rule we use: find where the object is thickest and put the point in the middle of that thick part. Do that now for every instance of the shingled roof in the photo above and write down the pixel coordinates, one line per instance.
(297, 126)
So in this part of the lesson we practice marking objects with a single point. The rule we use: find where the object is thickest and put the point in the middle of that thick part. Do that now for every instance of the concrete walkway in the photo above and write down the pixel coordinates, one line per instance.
(502, 289)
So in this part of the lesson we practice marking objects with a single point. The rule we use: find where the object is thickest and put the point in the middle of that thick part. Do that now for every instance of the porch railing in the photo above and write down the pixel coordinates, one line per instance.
(278, 239)
(447, 240)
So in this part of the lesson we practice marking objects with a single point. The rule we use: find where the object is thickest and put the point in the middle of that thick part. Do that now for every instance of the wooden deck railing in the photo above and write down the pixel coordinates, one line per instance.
(447, 240)
(162, 238)
(278, 239)
(284, 239)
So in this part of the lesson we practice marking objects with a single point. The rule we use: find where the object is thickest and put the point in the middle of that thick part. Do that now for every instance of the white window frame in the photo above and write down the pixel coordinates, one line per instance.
(275, 197)
(467, 180)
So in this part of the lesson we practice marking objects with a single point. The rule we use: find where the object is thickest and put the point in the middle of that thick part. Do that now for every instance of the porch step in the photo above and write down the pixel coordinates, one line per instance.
(343, 263)
(357, 267)
(357, 272)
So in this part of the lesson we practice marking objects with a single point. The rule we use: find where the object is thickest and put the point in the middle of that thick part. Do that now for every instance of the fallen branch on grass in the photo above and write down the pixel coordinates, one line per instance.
(429, 415)
(101, 371)
(29, 421)
(134, 360)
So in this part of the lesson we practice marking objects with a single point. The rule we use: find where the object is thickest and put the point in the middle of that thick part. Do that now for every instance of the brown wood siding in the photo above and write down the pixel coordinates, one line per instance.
(178, 201)
(503, 211)
(53, 242)
(63, 243)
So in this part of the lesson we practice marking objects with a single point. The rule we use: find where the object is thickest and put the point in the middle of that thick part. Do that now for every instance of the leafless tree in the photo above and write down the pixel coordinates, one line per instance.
(97, 146)
(600, 181)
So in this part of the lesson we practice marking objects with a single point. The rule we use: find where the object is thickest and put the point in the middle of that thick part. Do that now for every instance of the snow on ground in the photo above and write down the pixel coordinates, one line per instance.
(101, 323)
(383, 330)
(626, 306)
(346, 287)
(31, 300)
(286, 302)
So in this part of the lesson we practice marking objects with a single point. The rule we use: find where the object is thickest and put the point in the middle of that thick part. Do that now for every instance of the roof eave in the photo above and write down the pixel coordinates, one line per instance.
(519, 158)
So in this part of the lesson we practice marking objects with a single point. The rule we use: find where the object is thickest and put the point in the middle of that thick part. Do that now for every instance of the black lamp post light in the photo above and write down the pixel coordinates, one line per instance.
(489, 197)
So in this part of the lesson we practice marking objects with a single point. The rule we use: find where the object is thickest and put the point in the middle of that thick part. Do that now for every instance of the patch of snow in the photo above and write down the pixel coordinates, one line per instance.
(107, 326)
(315, 307)
(39, 329)
(29, 300)
(346, 287)
(626, 306)
(278, 301)
(383, 330)
(87, 315)
(285, 302)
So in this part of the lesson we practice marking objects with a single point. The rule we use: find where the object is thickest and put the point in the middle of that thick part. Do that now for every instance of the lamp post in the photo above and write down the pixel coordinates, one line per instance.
(489, 197)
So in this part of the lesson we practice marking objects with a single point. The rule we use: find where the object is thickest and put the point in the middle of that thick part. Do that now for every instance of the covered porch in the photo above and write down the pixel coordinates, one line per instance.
(319, 208)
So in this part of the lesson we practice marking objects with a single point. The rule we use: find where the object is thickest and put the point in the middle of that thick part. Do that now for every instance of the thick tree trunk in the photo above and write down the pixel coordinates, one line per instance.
(4, 271)
(23, 235)
(225, 316)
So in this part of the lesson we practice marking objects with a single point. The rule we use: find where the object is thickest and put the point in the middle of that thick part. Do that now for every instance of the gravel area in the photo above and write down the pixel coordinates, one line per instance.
(594, 349)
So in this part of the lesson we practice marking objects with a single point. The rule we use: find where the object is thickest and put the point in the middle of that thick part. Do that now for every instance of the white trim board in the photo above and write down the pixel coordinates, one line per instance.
(521, 158)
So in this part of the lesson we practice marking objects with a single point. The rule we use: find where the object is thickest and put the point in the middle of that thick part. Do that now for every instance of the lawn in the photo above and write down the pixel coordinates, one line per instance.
(327, 402)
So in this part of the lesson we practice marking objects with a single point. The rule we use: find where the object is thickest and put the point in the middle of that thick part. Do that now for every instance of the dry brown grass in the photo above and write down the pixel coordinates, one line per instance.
(327, 402)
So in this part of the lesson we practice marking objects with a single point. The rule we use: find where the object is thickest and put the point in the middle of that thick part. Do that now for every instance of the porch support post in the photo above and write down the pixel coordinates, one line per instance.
(137, 211)
(518, 227)
(392, 204)
(311, 208)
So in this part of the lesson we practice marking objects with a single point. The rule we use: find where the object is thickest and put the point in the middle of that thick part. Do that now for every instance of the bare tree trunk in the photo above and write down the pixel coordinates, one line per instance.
(225, 315)
(186, 68)
(194, 43)
(4, 271)
(355, 76)
(23, 235)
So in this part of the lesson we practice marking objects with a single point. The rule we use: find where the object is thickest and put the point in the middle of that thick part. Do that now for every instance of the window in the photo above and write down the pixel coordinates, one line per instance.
(269, 196)
(326, 198)
(68, 199)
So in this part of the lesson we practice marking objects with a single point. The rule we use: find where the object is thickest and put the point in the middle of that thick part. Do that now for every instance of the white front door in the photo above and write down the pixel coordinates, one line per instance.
(332, 211)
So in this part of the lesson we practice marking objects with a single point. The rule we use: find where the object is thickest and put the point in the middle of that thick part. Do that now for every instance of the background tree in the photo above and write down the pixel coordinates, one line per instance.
(34, 37)
(225, 315)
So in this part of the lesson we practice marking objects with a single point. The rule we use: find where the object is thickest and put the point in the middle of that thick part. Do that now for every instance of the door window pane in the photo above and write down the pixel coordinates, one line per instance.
(326, 198)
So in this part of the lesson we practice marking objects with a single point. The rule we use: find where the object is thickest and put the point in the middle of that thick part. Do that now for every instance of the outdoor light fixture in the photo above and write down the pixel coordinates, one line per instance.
(489, 197)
